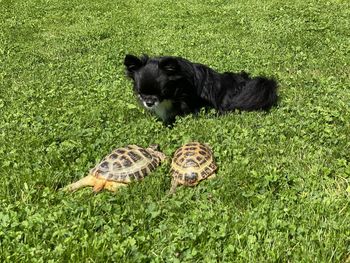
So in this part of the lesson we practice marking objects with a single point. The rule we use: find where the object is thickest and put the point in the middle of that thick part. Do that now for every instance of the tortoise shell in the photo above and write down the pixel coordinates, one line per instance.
(192, 163)
(127, 164)
(122, 166)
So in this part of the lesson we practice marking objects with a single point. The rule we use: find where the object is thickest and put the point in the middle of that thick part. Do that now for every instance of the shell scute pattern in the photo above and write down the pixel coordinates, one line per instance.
(192, 163)
(104, 165)
(119, 151)
(189, 153)
(134, 156)
(116, 166)
(145, 154)
(122, 166)
(203, 153)
(127, 164)
(113, 156)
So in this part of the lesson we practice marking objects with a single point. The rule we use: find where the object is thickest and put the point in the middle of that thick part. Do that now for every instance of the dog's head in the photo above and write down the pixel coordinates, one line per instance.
(155, 80)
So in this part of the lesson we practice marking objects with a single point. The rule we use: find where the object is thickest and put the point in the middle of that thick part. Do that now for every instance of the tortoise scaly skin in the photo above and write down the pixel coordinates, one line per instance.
(192, 163)
(122, 166)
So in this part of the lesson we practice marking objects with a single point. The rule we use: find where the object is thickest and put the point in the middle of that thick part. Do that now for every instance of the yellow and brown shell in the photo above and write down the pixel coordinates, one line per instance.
(127, 164)
(122, 166)
(192, 163)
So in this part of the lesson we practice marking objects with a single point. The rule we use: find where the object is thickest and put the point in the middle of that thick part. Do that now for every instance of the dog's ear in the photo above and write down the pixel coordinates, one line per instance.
(133, 63)
(170, 65)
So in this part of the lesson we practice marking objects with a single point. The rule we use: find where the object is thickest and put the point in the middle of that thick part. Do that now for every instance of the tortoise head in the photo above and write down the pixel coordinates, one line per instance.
(154, 147)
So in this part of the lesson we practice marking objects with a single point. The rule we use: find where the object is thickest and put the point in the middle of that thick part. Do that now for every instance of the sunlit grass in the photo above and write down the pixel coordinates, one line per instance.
(282, 190)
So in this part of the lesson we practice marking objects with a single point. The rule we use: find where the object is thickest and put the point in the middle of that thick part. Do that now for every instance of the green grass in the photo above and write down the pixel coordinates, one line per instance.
(283, 186)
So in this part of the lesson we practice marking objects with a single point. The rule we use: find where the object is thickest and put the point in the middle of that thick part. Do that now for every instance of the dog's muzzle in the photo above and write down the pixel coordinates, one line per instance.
(149, 101)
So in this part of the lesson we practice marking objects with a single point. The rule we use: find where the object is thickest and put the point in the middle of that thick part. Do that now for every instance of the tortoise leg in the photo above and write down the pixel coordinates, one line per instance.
(99, 185)
(85, 181)
(174, 184)
(211, 176)
(113, 186)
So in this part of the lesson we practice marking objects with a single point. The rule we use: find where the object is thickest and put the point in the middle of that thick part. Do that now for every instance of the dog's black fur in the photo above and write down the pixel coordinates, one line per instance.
(172, 86)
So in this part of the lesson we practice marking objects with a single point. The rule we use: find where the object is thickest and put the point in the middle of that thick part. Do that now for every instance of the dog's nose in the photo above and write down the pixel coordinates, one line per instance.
(149, 103)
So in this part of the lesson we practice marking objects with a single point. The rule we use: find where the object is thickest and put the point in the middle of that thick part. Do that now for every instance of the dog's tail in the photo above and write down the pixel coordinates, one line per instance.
(257, 93)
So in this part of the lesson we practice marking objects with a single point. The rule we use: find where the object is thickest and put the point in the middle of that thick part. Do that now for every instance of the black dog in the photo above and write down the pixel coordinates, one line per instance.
(171, 86)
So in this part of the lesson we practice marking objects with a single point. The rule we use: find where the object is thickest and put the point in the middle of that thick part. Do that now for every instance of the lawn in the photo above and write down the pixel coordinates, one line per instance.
(282, 192)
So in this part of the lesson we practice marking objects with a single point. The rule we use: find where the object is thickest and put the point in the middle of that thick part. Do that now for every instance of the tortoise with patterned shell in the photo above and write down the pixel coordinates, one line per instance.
(122, 166)
(192, 163)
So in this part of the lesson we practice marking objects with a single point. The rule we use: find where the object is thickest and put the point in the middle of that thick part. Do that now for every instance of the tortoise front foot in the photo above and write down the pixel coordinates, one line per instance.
(174, 185)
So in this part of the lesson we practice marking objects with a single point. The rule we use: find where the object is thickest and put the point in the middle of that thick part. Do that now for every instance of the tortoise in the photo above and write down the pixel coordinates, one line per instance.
(192, 163)
(122, 166)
